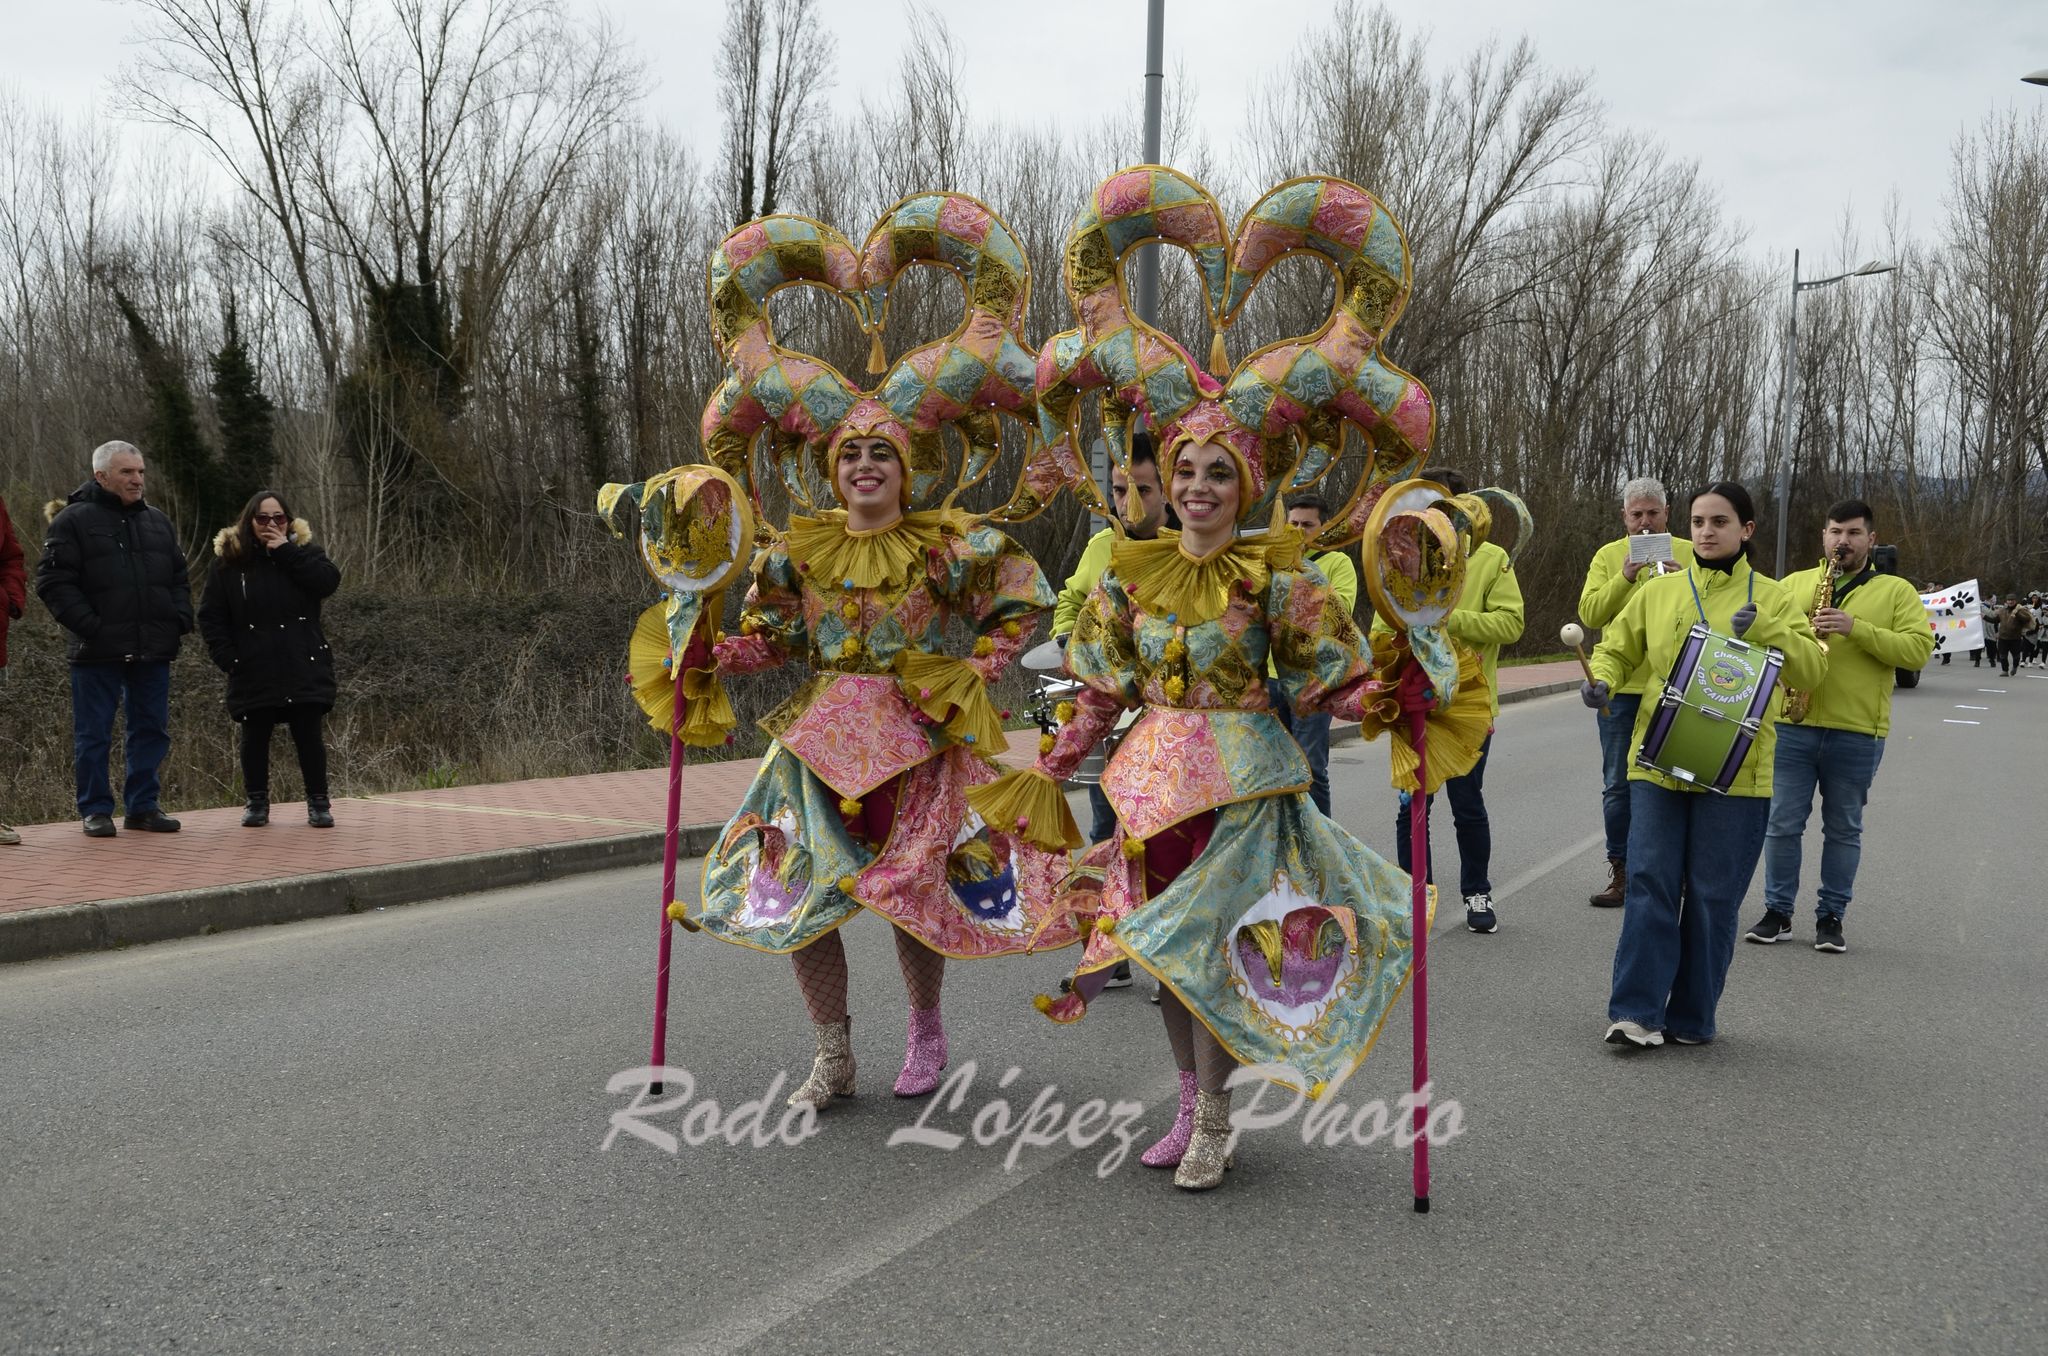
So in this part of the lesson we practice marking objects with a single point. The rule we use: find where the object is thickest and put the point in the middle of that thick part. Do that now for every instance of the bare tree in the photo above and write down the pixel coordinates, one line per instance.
(774, 65)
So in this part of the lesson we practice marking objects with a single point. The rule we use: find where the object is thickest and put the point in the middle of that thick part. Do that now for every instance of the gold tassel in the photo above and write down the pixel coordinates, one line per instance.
(1046, 743)
(878, 359)
(1219, 357)
(1133, 848)
(849, 806)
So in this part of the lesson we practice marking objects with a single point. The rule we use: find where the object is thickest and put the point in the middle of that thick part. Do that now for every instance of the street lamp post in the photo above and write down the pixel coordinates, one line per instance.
(1787, 443)
(2037, 78)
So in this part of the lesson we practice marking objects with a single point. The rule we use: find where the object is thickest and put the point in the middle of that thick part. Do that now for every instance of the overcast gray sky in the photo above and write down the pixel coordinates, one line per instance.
(1799, 110)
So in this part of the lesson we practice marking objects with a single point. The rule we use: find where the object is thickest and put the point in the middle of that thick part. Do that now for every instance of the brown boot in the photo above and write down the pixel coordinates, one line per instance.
(1617, 886)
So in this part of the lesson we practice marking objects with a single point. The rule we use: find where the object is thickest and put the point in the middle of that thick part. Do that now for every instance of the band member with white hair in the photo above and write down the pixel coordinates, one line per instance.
(1612, 579)
(1872, 625)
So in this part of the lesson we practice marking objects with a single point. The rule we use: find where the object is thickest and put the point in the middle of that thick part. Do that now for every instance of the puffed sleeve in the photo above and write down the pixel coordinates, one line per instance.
(998, 589)
(1103, 657)
(1319, 654)
(772, 629)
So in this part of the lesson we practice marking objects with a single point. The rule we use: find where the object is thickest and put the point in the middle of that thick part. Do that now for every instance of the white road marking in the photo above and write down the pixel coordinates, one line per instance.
(804, 1296)
(1449, 918)
(1962, 722)
(1999, 690)
(1961, 707)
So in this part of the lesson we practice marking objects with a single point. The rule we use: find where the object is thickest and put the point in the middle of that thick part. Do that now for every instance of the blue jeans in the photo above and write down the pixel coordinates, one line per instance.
(1842, 764)
(1468, 819)
(1105, 816)
(1313, 734)
(97, 692)
(1617, 733)
(1690, 858)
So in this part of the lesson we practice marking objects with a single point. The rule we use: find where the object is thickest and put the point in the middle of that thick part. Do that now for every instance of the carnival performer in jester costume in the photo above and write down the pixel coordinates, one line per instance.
(860, 802)
(1276, 936)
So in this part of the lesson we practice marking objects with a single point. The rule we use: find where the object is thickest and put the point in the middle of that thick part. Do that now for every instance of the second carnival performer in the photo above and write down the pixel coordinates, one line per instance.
(1277, 937)
(860, 801)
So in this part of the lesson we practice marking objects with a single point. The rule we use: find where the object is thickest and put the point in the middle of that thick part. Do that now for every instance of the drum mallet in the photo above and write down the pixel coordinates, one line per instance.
(1574, 635)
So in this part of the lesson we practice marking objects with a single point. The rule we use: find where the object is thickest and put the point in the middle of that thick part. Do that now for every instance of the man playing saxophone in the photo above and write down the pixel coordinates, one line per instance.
(1871, 624)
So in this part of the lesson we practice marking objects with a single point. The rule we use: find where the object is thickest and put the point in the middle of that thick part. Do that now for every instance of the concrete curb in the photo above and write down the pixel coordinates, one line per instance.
(107, 923)
(104, 924)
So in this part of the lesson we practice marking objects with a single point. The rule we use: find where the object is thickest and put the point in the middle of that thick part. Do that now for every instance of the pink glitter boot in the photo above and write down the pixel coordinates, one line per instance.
(1166, 1153)
(925, 1056)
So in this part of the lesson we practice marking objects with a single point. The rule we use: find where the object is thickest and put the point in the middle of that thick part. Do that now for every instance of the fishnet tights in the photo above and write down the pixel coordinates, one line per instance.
(1193, 1046)
(821, 975)
(1180, 1029)
(924, 970)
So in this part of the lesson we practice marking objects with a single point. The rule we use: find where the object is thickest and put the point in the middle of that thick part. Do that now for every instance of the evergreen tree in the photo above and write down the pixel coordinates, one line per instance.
(248, 451)
(175, 448)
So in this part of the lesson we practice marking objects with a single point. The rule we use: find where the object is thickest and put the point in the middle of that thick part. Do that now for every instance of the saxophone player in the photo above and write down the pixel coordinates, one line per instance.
(1872, 625)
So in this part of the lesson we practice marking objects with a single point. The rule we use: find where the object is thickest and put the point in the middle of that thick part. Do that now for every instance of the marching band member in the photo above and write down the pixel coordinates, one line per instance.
(1611, 581)
(1307, 513)
(1874, 625)
(1691, 852)
(1136, 494)
(1488, 615)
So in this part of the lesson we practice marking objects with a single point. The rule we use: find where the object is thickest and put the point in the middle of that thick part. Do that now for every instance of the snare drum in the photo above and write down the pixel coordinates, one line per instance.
(1711, 711)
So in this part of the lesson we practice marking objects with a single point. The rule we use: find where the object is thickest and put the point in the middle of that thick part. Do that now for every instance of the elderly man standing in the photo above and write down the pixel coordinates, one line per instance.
(1611, 581)
(113, 575)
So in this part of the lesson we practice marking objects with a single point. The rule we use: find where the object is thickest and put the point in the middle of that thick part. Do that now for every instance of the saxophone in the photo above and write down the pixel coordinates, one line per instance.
(1797, 704)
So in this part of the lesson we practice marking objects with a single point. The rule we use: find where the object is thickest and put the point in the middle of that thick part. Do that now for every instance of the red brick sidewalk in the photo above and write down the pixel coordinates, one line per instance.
(56, 865)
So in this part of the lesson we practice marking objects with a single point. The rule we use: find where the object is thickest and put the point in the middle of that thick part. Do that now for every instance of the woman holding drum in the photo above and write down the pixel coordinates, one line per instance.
(1700, 774)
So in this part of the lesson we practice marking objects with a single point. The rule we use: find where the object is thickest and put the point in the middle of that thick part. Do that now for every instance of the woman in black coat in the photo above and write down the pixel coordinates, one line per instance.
(261, 622)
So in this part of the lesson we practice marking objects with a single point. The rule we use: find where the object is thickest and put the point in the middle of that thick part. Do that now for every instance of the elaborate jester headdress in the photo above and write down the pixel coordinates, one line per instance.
(795, 408)
(1283, 408)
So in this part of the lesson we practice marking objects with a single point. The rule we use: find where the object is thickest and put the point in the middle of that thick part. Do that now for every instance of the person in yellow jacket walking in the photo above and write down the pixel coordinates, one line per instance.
(1488, 616)
(1308, 512)
(1874, 627)
(1611, 580)
(1145, 511)
(1692, 852)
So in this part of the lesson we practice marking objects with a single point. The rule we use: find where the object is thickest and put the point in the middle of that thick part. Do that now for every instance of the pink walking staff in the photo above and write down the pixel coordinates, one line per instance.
(672, 832)
(1415, 703)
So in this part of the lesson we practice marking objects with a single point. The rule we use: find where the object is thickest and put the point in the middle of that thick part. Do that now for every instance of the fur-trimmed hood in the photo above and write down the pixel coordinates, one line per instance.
(227, 543)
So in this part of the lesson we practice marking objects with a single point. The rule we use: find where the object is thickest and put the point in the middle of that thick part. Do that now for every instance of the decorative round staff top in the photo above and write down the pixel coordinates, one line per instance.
(696, 527)
(1414, 565)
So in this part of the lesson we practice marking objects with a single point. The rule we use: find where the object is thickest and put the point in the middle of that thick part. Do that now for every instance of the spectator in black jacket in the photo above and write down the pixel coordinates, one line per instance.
(13, 598)
(113, 575)
(261, 621)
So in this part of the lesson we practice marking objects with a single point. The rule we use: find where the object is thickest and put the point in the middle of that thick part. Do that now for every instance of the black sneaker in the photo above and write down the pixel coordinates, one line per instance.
(1827, 935)
(1770, 928)
(1479, 916)
(1119, 976)
(99, 826)
(151, 821)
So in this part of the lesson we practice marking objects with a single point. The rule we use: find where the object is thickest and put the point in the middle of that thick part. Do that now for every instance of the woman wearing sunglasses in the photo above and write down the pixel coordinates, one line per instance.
(261, 622)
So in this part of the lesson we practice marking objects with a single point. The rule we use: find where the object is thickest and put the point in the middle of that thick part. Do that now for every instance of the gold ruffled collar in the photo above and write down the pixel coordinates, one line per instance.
(1166, 581)
(833, 553)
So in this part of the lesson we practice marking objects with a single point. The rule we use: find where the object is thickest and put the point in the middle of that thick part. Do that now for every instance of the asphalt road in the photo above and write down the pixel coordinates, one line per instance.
(386, 1133)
